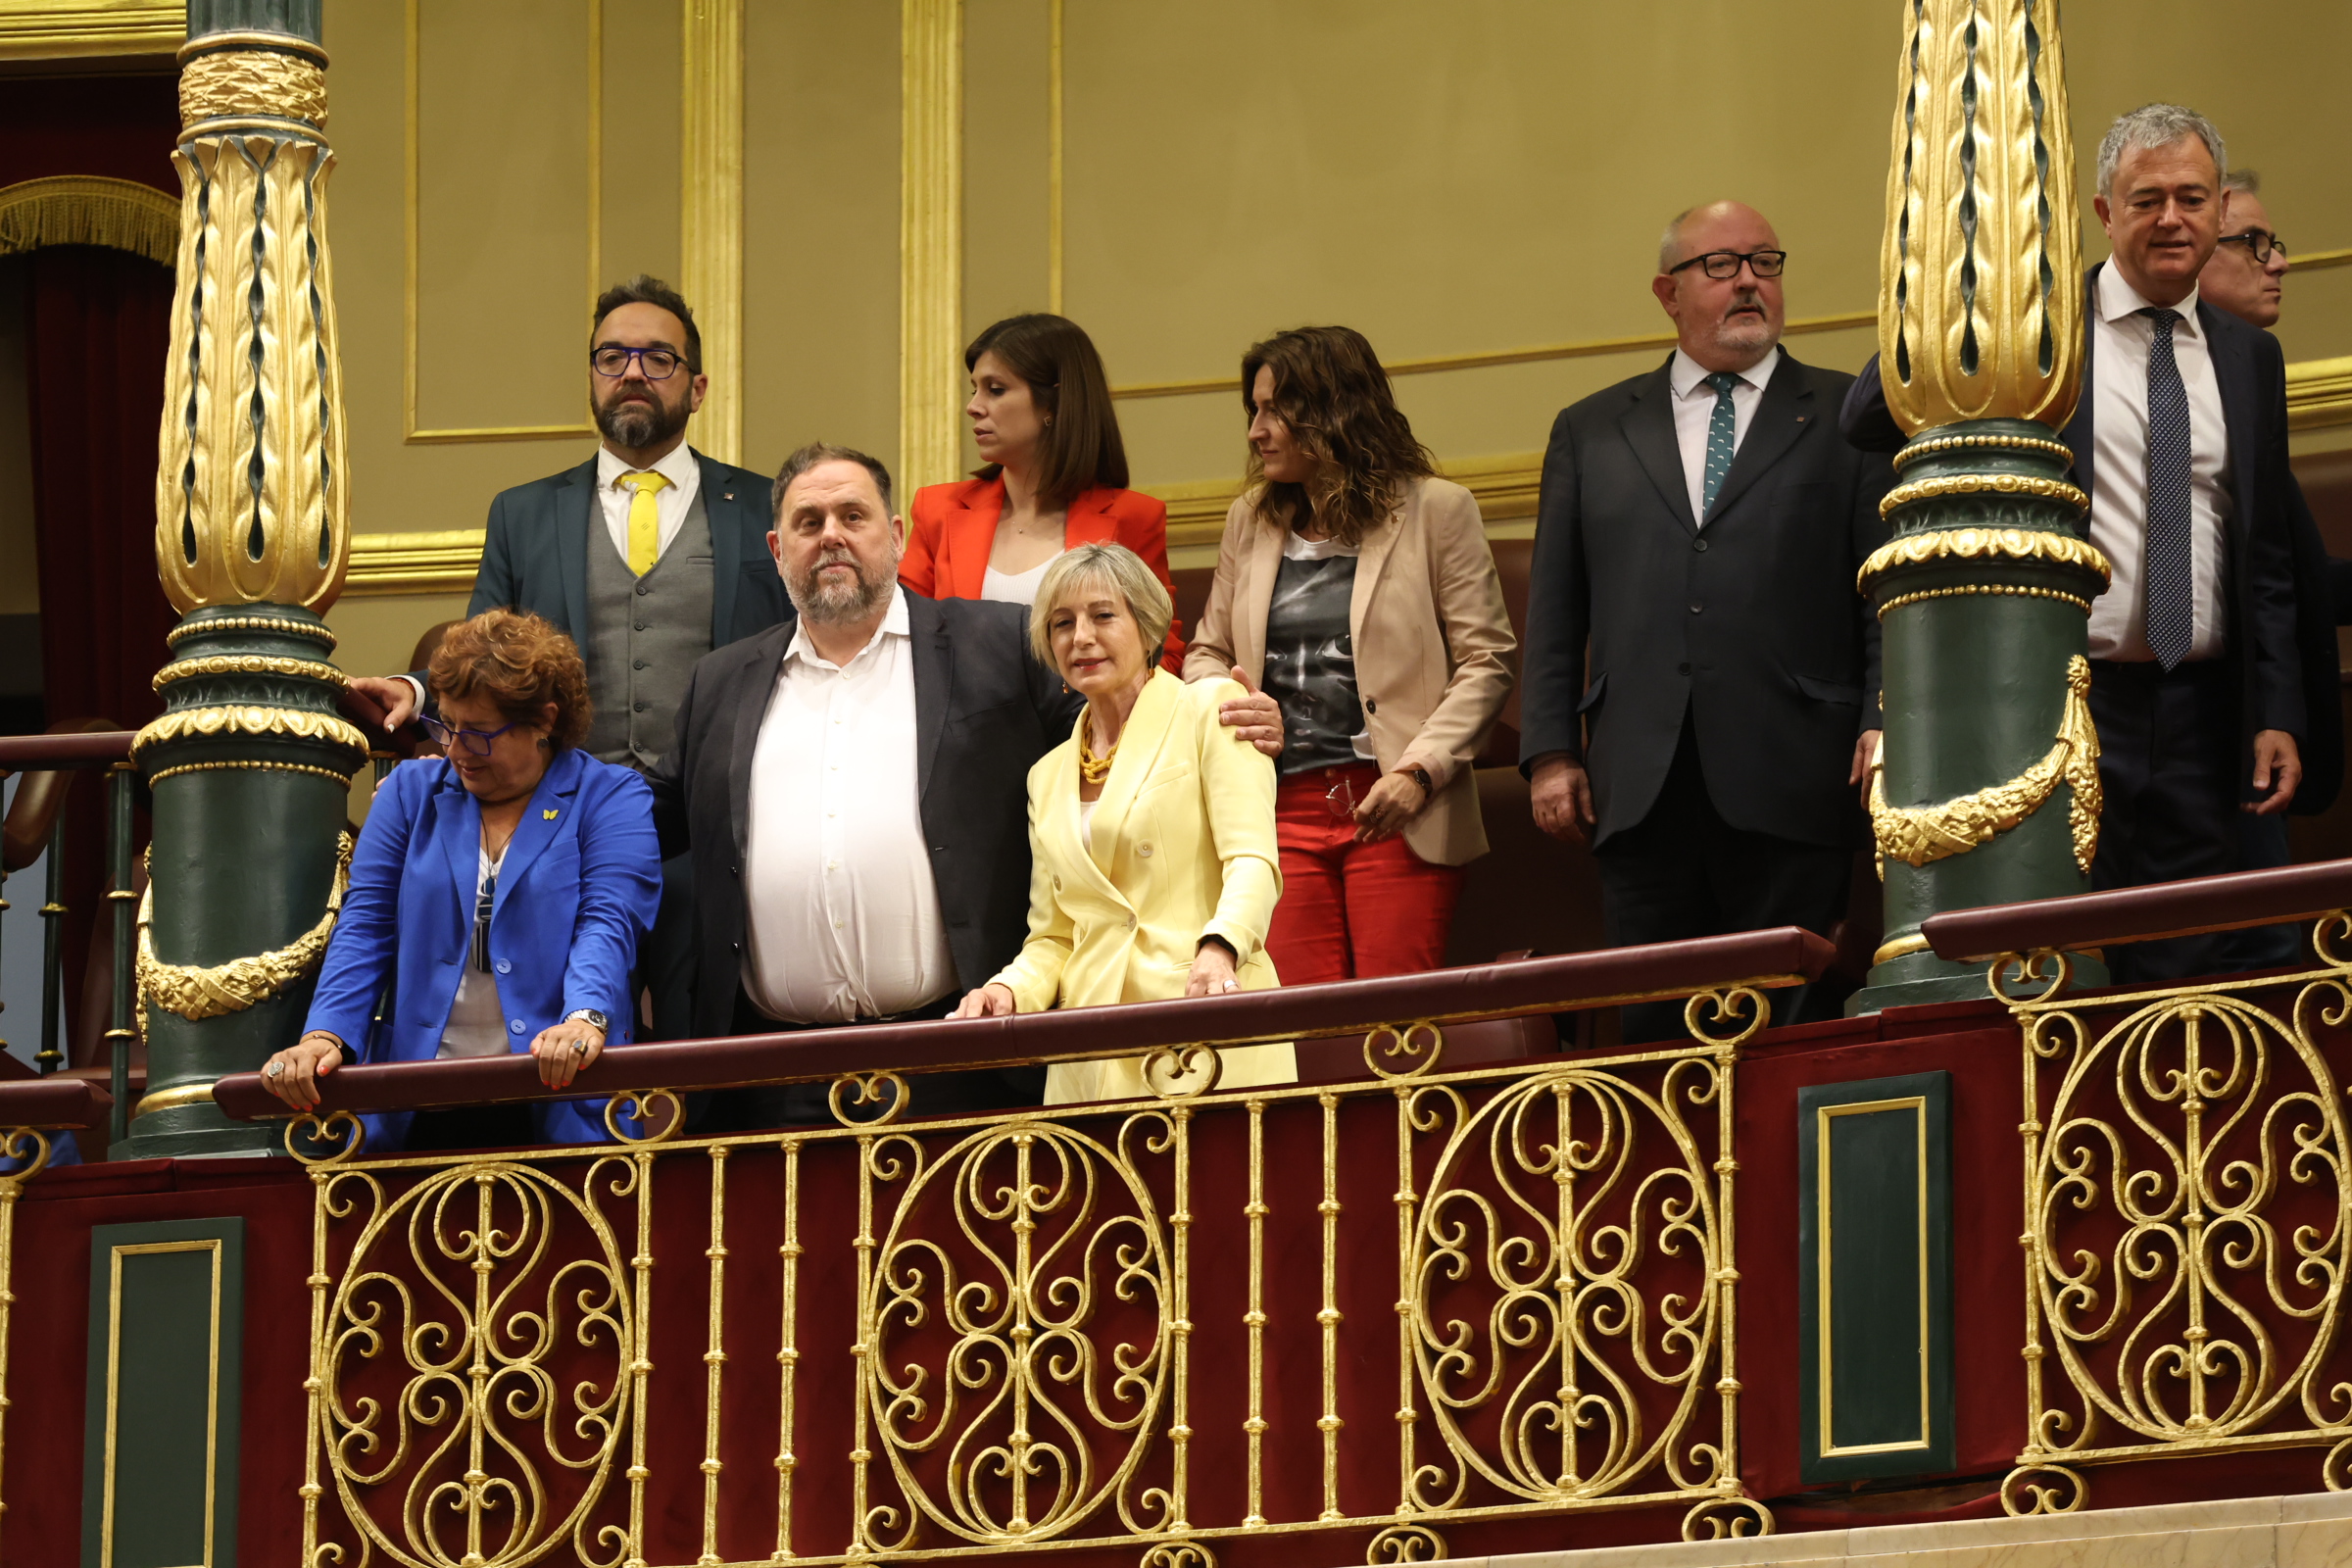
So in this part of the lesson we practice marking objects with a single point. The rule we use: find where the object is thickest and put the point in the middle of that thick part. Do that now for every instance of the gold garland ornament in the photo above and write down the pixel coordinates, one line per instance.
(1917, 835)
(213, 991)
(1984, 544)
(191, 723)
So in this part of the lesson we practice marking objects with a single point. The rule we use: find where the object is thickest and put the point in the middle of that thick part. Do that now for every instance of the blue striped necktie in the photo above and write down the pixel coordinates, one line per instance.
(2167, 591)
(1720, 427)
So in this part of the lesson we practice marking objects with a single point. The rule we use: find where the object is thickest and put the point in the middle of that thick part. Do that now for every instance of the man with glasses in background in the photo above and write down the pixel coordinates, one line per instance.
(2246, 276)
(648, 554)
(1700, 696)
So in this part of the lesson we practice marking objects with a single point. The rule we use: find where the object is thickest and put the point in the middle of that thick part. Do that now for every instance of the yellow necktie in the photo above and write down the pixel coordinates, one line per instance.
(645, 523)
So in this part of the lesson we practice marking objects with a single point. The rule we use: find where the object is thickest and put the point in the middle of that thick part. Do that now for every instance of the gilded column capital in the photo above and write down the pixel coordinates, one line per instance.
(1980, 297)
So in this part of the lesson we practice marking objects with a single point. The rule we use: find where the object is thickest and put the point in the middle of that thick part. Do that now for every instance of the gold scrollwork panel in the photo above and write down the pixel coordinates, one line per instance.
(1018, 1332)
(473, 1361)
(1568, 1331)
(2189, 1229)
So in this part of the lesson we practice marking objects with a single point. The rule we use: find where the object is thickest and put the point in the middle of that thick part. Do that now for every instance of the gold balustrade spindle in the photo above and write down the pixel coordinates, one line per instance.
(862, 1349)
(1727, 1169)
(12, 1186)
(1180, 1222)
(1255, 1319)
(1563, 1178)
(477, 1375)
(1328, 1318)
(1023, 1327)
(2029, 1133)
(641, 1365)
(1406, 1415)
(314, 1432)
(714, 1359)
(788, 1354)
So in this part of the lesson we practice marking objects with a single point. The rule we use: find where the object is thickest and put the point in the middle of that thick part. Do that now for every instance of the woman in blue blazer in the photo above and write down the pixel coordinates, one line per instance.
(501, 892)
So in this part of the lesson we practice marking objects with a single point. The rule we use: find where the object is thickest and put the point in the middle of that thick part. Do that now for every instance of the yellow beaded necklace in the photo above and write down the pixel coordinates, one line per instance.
(1092, 769)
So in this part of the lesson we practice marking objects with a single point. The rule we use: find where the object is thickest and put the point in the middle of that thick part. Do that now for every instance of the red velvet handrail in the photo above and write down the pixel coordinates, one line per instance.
(53, 1103)
(1782, 956)
(24, 754)
(2144, 914)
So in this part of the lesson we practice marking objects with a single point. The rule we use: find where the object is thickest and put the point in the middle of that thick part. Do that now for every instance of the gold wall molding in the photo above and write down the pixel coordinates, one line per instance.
(1917, 835)
(89, 210)
(1586, 348)
(930, 241)
(2319, 392)
(440, 562)
(412, 138)
(710, 215)
(1054, 131)
(93, 27)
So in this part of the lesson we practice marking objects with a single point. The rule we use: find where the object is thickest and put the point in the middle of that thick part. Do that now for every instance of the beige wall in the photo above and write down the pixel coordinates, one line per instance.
(1486, 175)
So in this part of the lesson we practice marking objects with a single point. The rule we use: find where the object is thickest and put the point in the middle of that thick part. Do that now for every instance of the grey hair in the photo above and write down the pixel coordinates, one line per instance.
(1672, 237)
(1102, 566)
(2245, 179)
(2156, 126)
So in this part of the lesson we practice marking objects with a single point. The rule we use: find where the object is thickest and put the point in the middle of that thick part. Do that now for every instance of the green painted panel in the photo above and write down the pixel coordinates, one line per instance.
(1874, 1278)
(167, 1328)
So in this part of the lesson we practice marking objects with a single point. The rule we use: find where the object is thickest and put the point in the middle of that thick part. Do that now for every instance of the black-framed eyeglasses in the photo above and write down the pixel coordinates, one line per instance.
(1721, 264)
(2259, 243)
(476, 741)
(655, 365)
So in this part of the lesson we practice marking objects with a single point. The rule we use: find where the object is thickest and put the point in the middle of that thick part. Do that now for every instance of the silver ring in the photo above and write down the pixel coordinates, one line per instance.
(1233, 985)
(275, 1069)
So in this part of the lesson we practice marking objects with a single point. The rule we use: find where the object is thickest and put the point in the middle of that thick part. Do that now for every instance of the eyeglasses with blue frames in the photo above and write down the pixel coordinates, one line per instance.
(476, 741)
(655, 365)
(1722, 264)
(2260, 244)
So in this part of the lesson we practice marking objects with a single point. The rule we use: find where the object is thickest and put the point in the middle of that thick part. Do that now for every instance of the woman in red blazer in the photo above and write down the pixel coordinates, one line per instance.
(1056, 474)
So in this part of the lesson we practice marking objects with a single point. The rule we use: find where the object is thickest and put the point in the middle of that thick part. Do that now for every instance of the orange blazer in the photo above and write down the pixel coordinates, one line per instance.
(954, 526)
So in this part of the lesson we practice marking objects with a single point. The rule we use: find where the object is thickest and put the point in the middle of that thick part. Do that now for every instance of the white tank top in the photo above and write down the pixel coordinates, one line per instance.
(1013, 588)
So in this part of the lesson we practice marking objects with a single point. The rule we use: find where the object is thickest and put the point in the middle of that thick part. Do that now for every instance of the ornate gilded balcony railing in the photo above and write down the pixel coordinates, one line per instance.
(1352, 1317)
(2188, 1195)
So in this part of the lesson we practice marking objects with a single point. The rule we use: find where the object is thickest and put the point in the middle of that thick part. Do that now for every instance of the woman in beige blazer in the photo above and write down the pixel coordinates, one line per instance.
(1153, 866)
(1358, 588)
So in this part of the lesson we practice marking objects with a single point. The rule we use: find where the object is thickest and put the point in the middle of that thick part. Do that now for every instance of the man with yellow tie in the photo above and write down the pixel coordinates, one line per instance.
(648, 554)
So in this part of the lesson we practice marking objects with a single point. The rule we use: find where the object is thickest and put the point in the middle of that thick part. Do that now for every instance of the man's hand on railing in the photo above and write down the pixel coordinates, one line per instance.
(1560, 793)
(991, 1001)
(293, 1074)
(394, 699)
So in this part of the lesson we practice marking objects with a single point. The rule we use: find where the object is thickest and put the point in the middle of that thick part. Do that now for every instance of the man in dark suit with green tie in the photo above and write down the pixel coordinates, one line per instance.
(650, 554)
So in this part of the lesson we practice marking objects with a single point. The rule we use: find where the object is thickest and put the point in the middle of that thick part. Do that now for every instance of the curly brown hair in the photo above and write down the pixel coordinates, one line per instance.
(1329, 389)
(520, 663)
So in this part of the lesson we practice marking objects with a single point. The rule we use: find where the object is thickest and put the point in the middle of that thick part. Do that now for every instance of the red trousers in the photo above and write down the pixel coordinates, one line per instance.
(1349, 911)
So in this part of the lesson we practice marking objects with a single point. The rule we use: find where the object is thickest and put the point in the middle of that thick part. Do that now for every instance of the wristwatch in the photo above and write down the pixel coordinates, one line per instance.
(1420, 776)
(604, 1025)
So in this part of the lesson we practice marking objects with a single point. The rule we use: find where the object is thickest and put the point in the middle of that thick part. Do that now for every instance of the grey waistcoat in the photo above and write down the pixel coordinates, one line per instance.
(644, 635)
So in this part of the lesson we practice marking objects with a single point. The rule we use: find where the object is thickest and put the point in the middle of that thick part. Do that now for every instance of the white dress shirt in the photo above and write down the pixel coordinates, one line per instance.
(2119, 473)
(841, 909)
(671, 502)
(1694, 411)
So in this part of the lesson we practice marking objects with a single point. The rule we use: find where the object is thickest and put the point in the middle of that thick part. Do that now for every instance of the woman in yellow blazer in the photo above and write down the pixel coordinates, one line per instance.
(1357, 588)
(1152, 866)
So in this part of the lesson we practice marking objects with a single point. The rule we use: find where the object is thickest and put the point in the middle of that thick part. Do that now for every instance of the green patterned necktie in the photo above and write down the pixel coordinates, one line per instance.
(1719, 440)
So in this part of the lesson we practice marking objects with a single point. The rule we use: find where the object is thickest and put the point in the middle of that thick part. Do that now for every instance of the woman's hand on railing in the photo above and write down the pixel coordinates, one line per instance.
(293, 1074)
(563, 1049)
(991, 1001)
(1212, 970)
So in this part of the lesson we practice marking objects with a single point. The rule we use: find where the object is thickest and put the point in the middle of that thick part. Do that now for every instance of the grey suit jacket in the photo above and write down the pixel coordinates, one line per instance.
(1752, 625)
(984, 712)
(536, 555)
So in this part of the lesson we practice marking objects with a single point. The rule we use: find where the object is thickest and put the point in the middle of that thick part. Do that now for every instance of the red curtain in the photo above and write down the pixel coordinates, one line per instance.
(94, 365)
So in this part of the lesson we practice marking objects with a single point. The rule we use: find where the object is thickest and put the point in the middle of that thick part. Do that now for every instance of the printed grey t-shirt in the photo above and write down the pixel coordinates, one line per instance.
(1310, 656)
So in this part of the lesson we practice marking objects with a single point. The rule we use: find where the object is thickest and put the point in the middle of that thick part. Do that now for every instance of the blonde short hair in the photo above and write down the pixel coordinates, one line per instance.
(1112, 567)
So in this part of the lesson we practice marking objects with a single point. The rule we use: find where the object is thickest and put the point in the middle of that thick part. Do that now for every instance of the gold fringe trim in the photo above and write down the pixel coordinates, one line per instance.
(213, 991)
(1917, 835)
(90, 210)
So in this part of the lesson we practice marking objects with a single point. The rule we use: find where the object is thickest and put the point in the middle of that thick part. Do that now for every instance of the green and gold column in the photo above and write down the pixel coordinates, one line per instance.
(250, 764)
(1989, 790)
